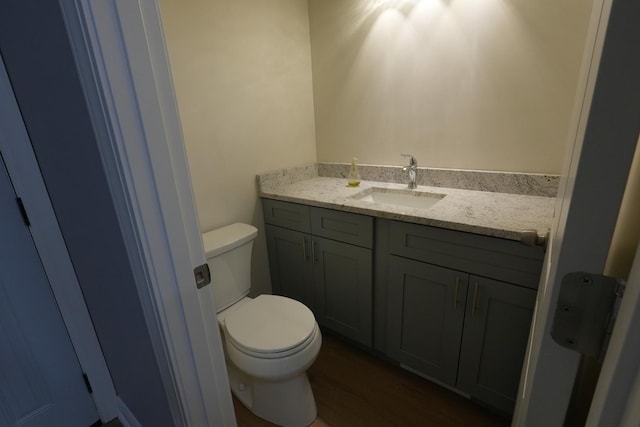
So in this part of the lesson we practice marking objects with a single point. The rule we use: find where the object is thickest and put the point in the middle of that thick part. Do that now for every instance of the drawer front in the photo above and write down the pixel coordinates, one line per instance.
(288, 215)
(500, 259)
(342, 226)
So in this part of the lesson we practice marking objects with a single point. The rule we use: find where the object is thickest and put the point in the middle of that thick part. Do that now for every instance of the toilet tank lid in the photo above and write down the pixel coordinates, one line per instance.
(226, 238)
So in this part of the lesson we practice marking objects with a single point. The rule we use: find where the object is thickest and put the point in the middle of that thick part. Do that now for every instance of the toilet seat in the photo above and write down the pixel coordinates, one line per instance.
(271, 326)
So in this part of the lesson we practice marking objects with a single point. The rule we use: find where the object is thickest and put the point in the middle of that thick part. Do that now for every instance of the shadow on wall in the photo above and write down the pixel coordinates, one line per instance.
(260, 274)
(462, 84)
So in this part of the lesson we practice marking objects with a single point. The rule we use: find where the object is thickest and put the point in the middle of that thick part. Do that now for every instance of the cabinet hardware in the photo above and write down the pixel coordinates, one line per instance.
(475, 299)
(455, 295)
(313, 250)
(304, 249)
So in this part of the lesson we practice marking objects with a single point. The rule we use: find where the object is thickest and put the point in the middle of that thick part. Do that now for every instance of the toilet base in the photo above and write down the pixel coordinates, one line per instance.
(288, 403)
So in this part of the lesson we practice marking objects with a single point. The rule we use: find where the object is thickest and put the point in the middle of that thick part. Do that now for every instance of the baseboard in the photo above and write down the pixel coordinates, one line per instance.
(433, 380)
(125, 416)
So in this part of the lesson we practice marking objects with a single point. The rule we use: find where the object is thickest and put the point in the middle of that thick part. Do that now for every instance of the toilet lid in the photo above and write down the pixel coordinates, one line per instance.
(270, 324)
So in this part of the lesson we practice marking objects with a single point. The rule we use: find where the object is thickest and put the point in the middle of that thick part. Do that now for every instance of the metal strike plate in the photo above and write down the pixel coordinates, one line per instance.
(584, 310)
(202, 275)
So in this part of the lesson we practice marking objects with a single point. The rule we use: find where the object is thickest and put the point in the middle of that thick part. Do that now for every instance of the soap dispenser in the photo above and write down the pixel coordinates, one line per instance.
(354, 175)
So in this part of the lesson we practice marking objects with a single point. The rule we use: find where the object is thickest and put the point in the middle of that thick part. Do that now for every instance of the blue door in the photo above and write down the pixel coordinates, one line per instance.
(41, 381)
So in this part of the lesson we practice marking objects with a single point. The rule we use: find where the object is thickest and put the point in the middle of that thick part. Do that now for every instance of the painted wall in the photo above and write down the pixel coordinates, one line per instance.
(242, 76)
(626, 236)
(265, 84)
(459, 83)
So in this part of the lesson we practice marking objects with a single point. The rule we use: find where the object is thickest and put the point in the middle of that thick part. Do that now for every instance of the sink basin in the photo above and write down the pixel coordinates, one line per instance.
(398, 197)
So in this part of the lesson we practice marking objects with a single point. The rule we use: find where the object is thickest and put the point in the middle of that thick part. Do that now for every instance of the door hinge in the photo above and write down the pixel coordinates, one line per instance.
(202, 275)
(23, 211)
(87, 383)
(587, 309)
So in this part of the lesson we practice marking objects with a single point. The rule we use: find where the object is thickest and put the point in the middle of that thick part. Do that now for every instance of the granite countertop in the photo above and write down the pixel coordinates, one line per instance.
(503, 215)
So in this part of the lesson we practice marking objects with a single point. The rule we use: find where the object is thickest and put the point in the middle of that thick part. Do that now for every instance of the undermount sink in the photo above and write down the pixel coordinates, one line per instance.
(398, 197)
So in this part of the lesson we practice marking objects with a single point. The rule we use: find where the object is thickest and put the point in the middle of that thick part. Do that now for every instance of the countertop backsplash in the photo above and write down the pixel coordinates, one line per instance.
(528, 184)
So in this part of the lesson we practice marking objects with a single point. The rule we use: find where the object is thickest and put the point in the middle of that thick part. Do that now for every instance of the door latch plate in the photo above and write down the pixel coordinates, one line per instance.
(202, 275)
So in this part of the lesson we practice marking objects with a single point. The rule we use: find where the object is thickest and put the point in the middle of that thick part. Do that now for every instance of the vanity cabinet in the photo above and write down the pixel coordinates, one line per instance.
(323, 258)
(452, 306)
(465, 329)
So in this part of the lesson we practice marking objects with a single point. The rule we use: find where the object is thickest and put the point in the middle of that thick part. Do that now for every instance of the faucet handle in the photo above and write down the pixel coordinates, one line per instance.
(413, 161)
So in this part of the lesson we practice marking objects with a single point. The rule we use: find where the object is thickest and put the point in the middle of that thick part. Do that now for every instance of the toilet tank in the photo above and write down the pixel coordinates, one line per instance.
(228, 252)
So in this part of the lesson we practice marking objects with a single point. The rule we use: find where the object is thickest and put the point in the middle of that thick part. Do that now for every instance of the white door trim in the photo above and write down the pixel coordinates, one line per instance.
(47, 237)
(119, 47)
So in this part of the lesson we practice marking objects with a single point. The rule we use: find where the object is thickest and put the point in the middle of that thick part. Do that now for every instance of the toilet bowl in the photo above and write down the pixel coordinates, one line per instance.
(269, 341)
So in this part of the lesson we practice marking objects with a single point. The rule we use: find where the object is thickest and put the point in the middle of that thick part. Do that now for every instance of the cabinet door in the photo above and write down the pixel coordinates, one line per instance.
(290, 264)
(496, 330)
(343, 288)
(425, 312)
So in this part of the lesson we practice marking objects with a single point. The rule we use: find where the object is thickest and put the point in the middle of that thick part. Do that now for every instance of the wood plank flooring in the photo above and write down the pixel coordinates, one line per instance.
(354, 389)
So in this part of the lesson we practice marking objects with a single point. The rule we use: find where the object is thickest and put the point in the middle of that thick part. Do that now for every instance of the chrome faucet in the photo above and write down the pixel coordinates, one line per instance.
(411, 169)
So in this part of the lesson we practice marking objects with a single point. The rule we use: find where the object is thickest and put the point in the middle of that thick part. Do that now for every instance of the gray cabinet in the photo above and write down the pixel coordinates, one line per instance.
(290, 264)
(425, 316)
(460, 327)
(494, 342)
(500, 259)
(343, 290)
(323, 258)
(453, 306)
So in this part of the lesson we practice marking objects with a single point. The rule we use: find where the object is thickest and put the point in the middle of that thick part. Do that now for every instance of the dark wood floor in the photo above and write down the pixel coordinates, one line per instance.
(354, 389)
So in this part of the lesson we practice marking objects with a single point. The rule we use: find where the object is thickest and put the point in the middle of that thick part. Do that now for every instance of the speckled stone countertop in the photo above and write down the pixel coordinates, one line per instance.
(498, 214)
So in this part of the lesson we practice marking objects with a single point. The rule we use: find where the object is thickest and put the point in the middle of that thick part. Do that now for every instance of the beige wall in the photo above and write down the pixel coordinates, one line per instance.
(626, 236)
(459, 83)
(242, 75)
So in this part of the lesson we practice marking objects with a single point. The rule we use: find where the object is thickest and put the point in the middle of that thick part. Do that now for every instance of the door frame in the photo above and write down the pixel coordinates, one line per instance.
(122, 62)
(49, 243)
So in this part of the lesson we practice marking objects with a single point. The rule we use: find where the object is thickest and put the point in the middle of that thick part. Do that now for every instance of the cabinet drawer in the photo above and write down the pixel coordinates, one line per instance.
(500, 259)
(288, 215)
(342, 226)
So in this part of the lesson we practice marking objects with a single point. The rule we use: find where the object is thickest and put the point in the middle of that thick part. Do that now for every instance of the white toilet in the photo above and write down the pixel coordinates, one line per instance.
(269, 341)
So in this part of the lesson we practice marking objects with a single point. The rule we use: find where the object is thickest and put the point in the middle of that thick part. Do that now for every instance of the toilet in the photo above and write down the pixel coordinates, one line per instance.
(269, 341)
